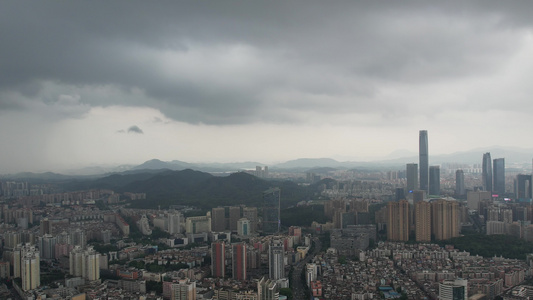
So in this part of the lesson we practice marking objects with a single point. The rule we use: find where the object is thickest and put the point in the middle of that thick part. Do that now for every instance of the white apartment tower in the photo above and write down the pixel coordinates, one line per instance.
(183, 290)
(26, 266)
(174, 222)
(243, 227)
(276, 257)
(85, 263)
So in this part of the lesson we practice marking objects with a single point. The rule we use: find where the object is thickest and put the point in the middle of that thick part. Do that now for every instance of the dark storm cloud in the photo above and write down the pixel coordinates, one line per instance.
(135, 129)
(240, 62)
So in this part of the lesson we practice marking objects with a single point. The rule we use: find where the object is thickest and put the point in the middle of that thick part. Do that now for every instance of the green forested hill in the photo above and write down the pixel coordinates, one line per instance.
(189, 187)
(492, 245)
(210, 191)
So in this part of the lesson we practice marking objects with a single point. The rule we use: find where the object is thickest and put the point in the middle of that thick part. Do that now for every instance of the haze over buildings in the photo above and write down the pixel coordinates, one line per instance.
(81, 85)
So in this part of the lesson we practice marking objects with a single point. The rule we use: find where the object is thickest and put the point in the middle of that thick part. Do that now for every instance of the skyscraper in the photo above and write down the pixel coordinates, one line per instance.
(499, 175)
(400, 194)
(412, 177)
(398, 221)
(460, 183)
(486, 172)
(271, 211)
(218, 259)
(523, 187)
(434, 180)
(423, 160)
(239, 261)
(276, 260)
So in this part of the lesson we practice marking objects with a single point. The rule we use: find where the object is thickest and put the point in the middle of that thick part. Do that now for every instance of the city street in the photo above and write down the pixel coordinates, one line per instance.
(299, 286)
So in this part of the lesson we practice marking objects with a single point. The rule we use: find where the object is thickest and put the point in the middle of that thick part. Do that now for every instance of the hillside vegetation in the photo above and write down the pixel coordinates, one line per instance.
(492, 245)
(189, 187)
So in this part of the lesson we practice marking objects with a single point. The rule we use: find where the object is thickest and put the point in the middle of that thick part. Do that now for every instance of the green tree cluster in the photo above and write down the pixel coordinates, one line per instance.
(286, 292)
(492, 245)
(154, 286)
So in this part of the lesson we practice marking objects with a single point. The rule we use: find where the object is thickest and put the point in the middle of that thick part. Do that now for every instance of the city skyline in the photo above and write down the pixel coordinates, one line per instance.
(83, 85)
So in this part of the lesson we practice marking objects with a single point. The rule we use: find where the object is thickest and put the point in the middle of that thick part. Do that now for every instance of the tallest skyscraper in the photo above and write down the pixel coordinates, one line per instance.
(423, 160)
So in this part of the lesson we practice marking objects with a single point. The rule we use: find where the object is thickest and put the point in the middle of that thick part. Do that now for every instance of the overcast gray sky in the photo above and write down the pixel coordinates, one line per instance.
(121, 82)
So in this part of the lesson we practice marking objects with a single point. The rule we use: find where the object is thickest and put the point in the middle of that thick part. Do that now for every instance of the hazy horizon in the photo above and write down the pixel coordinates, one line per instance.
(399, 157)
(123, 82)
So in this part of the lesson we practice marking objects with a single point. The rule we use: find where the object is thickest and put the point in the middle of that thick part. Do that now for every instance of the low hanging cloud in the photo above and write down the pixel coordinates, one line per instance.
(135, 129)
(132, 129)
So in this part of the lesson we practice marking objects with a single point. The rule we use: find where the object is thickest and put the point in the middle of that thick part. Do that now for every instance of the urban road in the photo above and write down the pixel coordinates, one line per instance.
(299, 285)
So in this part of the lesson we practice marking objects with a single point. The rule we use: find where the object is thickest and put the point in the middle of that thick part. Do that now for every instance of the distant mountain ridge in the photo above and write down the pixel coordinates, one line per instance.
(511, 155)
(204, 167)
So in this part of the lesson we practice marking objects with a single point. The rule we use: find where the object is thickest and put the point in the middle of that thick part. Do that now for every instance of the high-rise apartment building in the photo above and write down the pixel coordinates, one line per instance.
(218, 259)
(144, 225)
(460, 183)
(12, 239)
(239, 261)
(434, 180)
(30, 269)
(218, 219)
(243, 227)
(267, 289)
(423, 221)
(486, 172)
(271, 211)
(418, 196)
(398, 221)
(474, 198)
(250, 213)
(423, 157)
(234, 216)
(198, 224)
(85, 263)
(47, 244)
(296, 231)
(261, 172)
(445, 219)
(183, 289)
(400, 194)
(46, 226)
(453, 289)
(276, 260)
(78, 237)
(174, 222)
(26, 265)
(499, 176)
